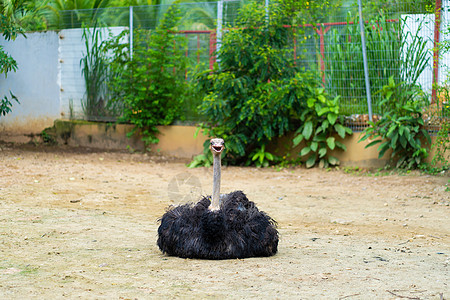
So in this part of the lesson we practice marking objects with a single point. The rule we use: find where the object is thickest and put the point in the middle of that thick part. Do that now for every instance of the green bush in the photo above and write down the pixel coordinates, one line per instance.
(321, 123)
(257, 92)
(242, 103)
(401, 128)
(151, 86)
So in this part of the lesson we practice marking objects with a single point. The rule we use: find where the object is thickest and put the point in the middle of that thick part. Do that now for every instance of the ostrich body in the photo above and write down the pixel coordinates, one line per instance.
(218, 227)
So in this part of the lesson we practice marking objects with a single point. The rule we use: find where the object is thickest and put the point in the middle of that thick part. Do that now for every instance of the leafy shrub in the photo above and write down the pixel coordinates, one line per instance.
(257, 92)
(246, 99)
(320, 123)
(401, 127)
(94, 67)
(150, 86)
(261, 158)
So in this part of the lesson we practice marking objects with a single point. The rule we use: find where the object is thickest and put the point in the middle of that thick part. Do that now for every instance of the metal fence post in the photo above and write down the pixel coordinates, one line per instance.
(131, 32)
(366, 67)
(219, 26)
(436, 40)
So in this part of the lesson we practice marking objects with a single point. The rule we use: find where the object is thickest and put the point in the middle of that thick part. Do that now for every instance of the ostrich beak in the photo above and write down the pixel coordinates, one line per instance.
(217, 146)
(217, 149)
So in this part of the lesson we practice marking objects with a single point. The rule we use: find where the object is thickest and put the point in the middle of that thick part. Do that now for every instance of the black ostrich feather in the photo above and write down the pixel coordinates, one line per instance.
(237, 230)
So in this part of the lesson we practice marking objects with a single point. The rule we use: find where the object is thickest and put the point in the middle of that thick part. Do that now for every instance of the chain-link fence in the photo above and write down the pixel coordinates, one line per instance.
(401, 43)
(195, 16)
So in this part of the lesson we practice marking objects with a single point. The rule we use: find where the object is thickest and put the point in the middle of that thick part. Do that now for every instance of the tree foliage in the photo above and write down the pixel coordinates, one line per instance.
(9, 31)
(256, 92)
(150, 86)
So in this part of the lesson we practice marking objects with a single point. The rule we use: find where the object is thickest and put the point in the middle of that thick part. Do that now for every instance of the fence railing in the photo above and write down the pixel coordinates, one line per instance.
(333, 46)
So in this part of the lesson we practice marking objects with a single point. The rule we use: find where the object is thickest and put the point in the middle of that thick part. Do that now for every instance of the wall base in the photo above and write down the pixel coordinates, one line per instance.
(179, 142)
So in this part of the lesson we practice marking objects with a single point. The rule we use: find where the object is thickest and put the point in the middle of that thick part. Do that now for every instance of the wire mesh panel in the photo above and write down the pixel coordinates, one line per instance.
(400, 44)
(395, 47)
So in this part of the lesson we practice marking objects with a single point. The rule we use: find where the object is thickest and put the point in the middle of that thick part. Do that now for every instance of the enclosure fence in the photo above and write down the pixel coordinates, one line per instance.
(401, 42)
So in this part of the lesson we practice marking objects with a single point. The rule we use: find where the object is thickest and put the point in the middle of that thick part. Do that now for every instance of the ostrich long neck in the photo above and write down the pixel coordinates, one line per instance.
(215, 202)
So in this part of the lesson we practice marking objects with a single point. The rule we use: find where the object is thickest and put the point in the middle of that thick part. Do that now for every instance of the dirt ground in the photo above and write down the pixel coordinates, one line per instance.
(82, 224)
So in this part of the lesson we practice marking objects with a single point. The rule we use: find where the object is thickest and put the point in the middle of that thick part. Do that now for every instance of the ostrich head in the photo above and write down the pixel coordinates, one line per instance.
(217, 146)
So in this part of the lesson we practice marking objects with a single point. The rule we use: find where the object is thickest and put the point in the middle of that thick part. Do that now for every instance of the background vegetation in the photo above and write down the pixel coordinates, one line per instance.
(259, 90)
(151, 85)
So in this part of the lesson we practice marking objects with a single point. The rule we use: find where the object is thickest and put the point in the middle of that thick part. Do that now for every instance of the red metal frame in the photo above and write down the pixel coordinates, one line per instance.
(437, 30)
(212, 43)
(321, 30)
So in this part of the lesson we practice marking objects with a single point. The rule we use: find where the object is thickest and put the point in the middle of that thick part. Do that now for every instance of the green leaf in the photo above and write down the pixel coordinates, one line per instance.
(255, 156)
(382, 149)
(341, 145)
(307, 130)
(311, 161)
(323, 163)
(297, 140)
(426, 135)
(403, 141)
(391, 131)
(314, 146)
(333, 160)
(330, 142)
(320, 138)
(322, 152)
(394, 140)
(305, 151)
(325, 125)
(340, 130)
(323, 111)
(365, 137)
(332, 118)
(407, 134)
(321, 98)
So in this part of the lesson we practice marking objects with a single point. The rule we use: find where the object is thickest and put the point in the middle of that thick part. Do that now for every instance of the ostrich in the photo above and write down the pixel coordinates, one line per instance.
(218, 227)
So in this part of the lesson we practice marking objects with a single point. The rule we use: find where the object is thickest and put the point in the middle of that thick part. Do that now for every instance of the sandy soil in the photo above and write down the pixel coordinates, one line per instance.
(82, 224)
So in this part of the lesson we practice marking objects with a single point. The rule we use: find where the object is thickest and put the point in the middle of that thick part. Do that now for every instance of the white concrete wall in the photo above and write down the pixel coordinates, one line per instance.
(34, 83)
(71, 50)
(48, 78)
(424, 26)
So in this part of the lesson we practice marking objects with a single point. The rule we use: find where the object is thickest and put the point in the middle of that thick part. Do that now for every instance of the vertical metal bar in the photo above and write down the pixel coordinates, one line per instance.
(212, 48)
(186, 53)
(131, 32)
(267, 11)
(437, 30)
(321, 34)
(198, 48)
(219, 26)
(366, 67)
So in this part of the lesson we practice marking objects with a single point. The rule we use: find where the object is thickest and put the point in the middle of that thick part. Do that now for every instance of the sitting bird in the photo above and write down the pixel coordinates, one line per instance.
(218, 226)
